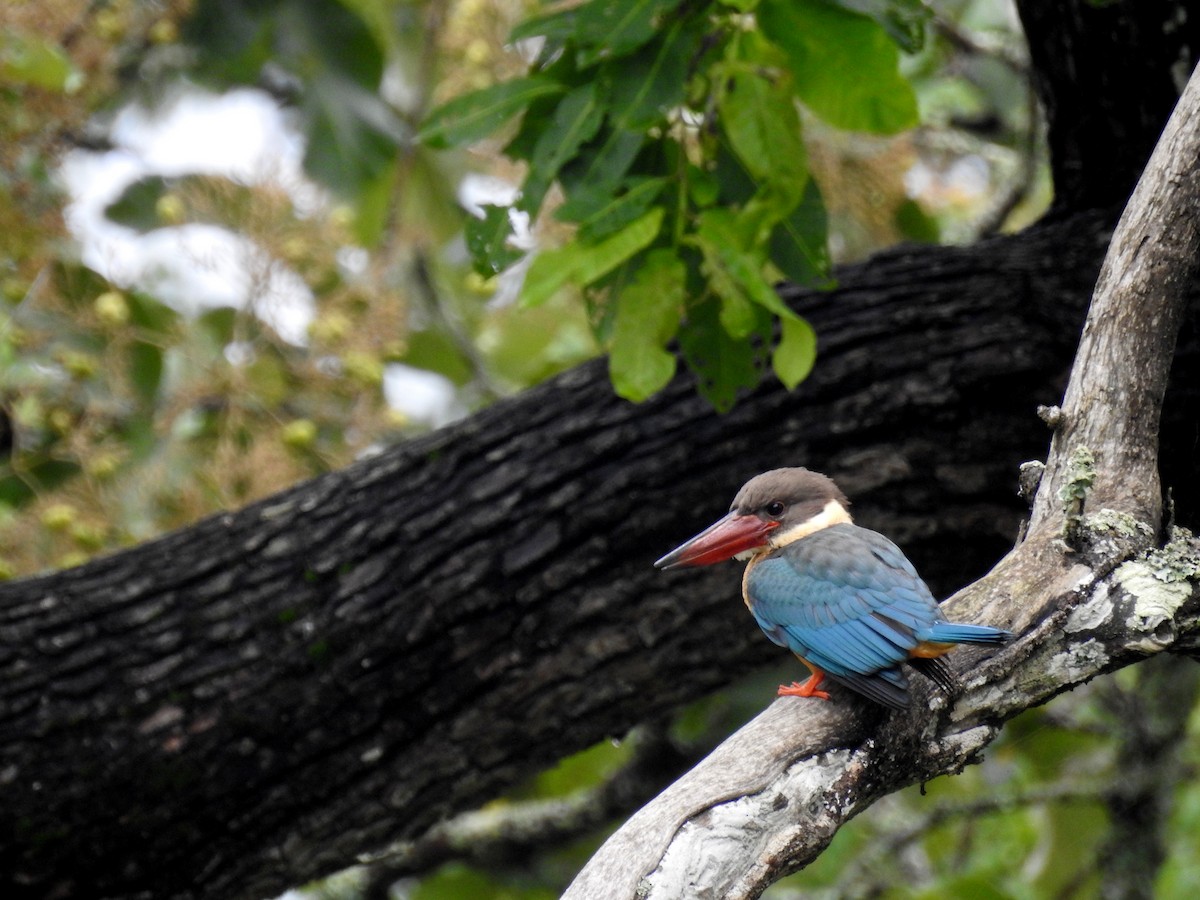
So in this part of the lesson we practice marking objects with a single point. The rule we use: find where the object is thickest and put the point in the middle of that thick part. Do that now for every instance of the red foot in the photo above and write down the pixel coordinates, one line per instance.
(808, 689)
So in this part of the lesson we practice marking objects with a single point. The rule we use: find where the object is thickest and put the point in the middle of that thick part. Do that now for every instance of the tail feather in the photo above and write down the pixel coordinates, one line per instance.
(953, 633)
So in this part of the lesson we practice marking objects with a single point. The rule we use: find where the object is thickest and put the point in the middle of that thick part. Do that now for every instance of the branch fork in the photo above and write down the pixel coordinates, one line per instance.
(1087, 588)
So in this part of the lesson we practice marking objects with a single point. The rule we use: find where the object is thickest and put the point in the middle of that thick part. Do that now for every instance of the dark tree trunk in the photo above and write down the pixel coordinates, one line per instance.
(251, 702)
(1108, 76)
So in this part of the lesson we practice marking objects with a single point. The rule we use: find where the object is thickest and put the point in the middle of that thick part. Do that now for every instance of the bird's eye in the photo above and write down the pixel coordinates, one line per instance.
(775, 509)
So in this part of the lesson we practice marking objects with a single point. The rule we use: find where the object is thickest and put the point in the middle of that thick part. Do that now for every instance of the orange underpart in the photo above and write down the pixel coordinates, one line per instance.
(930, 650)
(809, 688)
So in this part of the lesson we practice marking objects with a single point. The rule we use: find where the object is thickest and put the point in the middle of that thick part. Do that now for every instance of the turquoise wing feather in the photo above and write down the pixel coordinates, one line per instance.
(847, 600)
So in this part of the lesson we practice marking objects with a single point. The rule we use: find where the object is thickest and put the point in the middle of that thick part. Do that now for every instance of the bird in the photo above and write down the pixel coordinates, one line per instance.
(844, 599)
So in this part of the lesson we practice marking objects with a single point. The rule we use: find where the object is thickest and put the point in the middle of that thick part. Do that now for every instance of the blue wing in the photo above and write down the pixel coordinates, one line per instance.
(847, 600)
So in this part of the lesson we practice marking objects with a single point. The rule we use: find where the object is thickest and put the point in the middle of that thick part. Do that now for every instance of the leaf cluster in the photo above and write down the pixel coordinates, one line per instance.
(673, 133)
(328, 58)
(131, 399)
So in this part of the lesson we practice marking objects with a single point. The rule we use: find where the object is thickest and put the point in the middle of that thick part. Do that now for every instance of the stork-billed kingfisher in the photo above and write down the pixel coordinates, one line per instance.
(843, 599)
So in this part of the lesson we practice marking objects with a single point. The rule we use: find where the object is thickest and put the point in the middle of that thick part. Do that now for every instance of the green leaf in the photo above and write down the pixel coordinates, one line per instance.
(137, 207)
(268, 377)
(233, 40)
(434, 350)
(799, 245)
(304, 37)
(647, 317)
(374, 198)
(904, 20)
(760, 119)
(457, 881)
(611, 28)
(217, 326)
(642, 87)
(145, 370)
(738, 316)
(796, 352)
(600, 298)
(555, 26)
(723, 364)
(151, 315)
(759, 217)
(734, 273)
(606, 213)
(702, 186)
(76, 283)
(331, 36)
(845, 65)
(14, 491)
(27, 59)
(487, 241)
(17, 490)
(916, 224)
(353, 142)
(603, 169)
(425, 195)
(581, 264)
(379, 17)
(580, 770)
(576, 121)
(561, 69)
(549, 271)
(476, 115)
(526, 346)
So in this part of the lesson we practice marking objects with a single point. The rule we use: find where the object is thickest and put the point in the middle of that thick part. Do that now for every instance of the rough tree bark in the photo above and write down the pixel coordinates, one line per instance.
(1089, 590)
(252, 702)
(1134, 59)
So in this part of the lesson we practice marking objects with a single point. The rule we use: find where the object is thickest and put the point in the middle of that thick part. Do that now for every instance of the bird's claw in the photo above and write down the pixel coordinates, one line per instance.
(808, 689)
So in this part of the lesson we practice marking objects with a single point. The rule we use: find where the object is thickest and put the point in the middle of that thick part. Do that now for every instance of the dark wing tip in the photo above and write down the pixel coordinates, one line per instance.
(936, 670)
(875, 687)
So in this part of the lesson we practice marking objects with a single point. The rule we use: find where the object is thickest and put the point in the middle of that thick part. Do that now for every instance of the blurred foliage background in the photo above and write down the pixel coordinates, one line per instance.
(184, 331)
